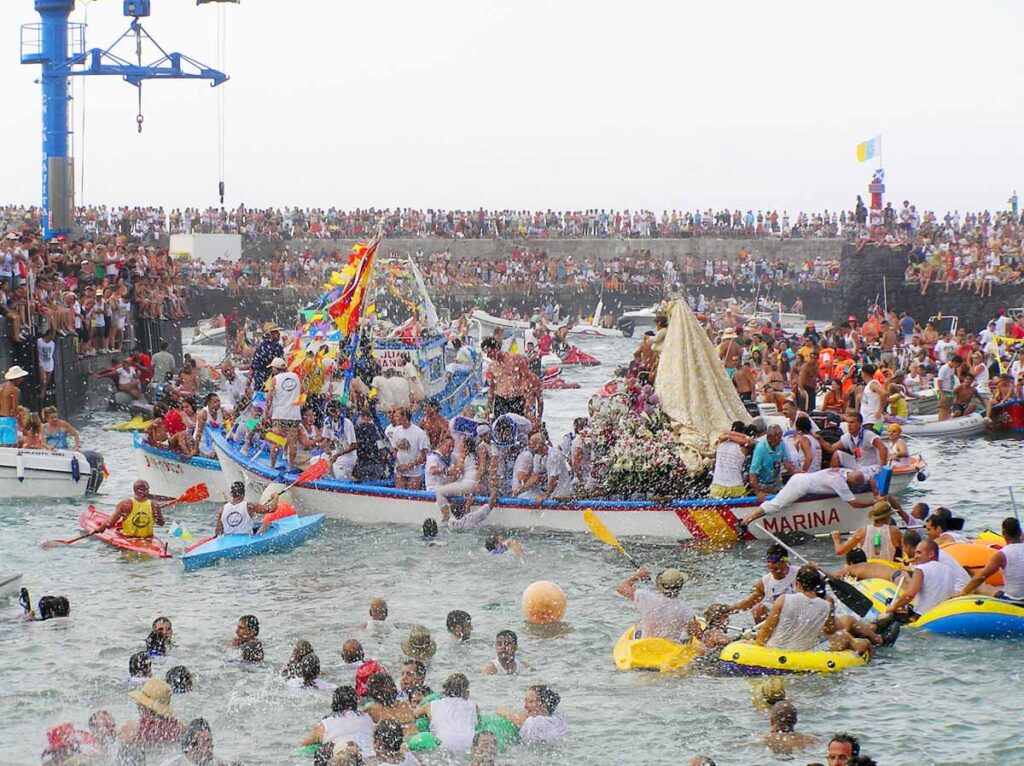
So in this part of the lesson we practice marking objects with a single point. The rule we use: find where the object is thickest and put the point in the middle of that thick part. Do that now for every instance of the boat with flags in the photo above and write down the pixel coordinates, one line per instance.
(695, 403)
(344, 333)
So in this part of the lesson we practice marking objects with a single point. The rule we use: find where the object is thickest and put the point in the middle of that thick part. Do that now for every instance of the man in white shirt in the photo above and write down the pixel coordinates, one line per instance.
(945, 348)
(284, 409)
(537, 722)
(234, 384)
(411, 445)
(945, 383)
(662, 613)
(828, 481)
(560, 480)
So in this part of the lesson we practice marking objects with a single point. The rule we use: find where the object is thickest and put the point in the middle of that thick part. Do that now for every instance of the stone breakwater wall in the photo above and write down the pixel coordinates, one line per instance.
(878, 273)
(790, 250)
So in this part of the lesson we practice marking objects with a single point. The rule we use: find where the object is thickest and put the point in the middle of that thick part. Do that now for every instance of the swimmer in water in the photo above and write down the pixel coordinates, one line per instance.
(499, 544)
(459, 625)
(506, 645)
(783, 737)
(378, 615)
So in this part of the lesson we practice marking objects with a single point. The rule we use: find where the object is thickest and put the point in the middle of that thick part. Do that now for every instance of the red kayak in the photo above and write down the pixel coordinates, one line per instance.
(575, 356)
(557, 383)
(91, 520)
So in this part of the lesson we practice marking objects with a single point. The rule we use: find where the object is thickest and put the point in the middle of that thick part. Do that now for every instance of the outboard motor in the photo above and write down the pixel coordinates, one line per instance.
(95, 471)
(627, 326)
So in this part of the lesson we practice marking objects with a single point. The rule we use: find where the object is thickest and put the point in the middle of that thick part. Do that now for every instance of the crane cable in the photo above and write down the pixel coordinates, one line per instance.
(221, 99)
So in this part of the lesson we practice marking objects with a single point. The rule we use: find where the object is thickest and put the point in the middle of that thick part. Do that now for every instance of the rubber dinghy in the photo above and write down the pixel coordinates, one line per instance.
(930, 425)
(634, 652)
(284, 534)
(745, 659)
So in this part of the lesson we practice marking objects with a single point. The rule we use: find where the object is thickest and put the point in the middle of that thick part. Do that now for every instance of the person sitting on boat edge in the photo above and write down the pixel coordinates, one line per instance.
(964, 395)
(828, 481)
(767, 462)
(780, 580)
(662, 613)
(235, 517)
(859, 448)
(879, 539)
(138, 515)
(930, 584)
(733, 447)
(537, 722)
(339, 435)
(1009, 559)
(798, 620)
(57, 431)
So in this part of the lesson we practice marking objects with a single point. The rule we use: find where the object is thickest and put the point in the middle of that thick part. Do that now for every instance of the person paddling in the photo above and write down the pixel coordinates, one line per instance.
(236, 516)
(137, 516)
(1009, 559)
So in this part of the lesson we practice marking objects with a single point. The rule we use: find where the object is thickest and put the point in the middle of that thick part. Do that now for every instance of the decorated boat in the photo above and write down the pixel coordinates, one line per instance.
(170, 473)
(1007, 416)
(49, 473)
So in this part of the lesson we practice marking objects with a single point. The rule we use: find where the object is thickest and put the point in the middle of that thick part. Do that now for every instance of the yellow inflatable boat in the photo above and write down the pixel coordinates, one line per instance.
(634, 652)
(742, 659)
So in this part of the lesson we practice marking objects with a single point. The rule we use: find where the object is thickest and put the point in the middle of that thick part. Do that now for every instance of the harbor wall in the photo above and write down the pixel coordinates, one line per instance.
(861, 283)
(789, 250)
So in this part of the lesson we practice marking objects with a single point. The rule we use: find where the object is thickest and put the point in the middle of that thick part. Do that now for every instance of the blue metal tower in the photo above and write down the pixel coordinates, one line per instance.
(59, 46)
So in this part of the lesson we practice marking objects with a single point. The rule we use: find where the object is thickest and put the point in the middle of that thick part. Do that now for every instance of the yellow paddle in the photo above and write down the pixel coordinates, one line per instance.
(602, 533)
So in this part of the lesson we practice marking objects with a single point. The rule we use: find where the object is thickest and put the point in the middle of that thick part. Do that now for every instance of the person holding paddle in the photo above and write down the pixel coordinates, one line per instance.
(662, 613)
(235, 517)
(138, 515)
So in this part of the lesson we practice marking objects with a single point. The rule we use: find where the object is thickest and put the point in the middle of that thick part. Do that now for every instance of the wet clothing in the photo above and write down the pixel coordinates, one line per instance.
(800, 623)
(140, 520)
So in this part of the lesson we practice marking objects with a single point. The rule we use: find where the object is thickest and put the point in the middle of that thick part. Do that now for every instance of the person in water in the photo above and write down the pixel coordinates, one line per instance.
(506, 645)
(344, 724)
(137, 516)
(387, 742)
(499, 544)
(537, 722)
(157, 724)
(236, 516)
(783, 737)
(453, 718)
(140, 670)
(459, 625)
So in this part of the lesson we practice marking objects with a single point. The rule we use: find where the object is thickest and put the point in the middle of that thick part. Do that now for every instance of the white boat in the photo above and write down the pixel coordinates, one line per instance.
(209, 334)
(48, 473)
(489, 323)
(930, 425)
(638, 321)
(709, 520)
(169, 474)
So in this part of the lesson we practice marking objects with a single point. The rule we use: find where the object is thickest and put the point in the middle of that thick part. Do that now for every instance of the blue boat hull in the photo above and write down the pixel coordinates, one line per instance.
(283, 535)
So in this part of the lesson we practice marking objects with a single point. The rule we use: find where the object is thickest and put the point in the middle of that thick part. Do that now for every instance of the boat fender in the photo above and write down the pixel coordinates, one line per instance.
(20, 466)
(76, 469)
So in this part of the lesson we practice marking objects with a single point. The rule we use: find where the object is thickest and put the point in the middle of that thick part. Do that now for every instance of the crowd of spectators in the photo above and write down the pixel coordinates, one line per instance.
(273, 224)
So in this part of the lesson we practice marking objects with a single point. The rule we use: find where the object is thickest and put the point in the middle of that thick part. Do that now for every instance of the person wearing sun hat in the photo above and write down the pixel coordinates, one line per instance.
(662, 613)
(10, 398)
(729, 351)
(418, 645)
(157, 724)
(879, 539)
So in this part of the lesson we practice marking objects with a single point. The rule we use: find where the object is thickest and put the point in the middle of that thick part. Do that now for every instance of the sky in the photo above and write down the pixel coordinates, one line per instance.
(533, 104)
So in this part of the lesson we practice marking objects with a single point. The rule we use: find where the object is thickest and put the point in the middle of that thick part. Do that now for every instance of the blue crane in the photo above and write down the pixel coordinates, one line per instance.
(59, 46)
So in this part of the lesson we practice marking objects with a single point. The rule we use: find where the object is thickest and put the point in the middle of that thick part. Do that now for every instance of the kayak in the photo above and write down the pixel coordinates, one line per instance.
(930, 425)
(742, 659)
(557, 384)
(284, 535)
(91, 519)
(10, 584)
(634, 652)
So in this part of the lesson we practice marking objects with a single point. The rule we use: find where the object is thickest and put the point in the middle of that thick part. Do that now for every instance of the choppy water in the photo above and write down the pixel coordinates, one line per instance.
(929, 700)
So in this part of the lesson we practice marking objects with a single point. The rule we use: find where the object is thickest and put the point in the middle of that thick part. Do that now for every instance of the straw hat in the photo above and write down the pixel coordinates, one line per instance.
(671, 580)
(729, 334)
(880, 510)
(155, 695)
(277, 362)
(15, 373)
(418, 644)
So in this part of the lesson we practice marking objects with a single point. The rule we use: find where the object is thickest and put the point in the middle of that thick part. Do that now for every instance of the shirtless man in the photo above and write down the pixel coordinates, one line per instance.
(783, 737)
(10, 414)
(1003, 392)
(744, 382)
(807, 381)
(511, 380)
(730, 352)
(156, 433)
(930, 337)
(963, 396)
(888, 342)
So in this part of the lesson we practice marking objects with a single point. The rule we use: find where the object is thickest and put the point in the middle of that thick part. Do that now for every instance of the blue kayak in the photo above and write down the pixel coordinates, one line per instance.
(283, 535)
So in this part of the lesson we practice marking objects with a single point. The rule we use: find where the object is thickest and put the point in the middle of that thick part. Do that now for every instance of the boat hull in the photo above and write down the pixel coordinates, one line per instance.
(26, 473)
(170, 474)
(930, 425)
(699, 520)
(489, 323)
(1008, 416)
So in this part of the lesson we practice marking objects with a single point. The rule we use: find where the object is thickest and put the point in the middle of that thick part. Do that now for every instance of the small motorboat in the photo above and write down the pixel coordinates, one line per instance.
(49, 473)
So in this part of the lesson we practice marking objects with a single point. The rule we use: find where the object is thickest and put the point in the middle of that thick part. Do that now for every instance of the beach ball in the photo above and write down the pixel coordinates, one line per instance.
(543, 603)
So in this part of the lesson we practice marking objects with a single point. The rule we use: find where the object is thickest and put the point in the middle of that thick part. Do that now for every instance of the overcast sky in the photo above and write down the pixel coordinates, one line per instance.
(534, 104)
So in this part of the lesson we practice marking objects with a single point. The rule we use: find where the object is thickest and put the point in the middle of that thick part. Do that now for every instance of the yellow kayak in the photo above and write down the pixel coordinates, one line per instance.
(742, 659)
(634, 652)
(135, 424)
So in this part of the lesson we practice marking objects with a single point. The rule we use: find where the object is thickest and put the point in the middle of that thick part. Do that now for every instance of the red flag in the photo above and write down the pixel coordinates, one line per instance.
(346, 309)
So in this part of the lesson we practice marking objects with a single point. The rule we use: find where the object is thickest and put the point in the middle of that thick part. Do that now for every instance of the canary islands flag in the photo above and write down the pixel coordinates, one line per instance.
(180, 530)
(869, 149)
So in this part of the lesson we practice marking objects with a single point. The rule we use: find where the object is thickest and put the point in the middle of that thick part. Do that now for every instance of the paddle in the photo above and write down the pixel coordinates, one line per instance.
(194, 494)
(844, 591)
(602, 533)
(55, 543)
(316, 471)
(1013, 502)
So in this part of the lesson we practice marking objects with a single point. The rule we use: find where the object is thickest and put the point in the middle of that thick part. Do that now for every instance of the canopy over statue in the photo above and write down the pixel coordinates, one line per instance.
(694, 389)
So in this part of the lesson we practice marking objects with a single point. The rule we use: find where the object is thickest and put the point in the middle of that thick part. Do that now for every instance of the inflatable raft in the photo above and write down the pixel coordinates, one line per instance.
(634, 652)
(930, 425)
(742, 659)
